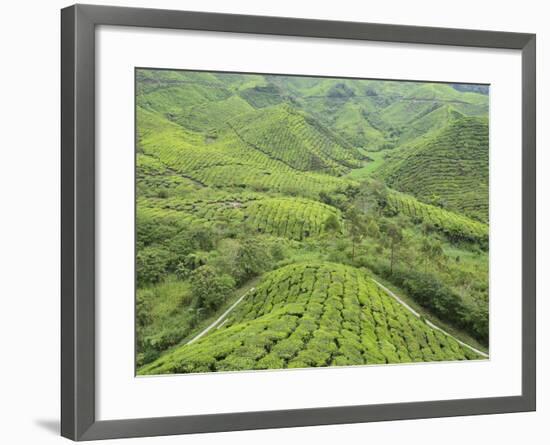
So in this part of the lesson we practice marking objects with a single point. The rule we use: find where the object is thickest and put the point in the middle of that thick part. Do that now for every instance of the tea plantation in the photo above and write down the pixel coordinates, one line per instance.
(451, 168)
(311, 315)
(278, 200)
(454, 226)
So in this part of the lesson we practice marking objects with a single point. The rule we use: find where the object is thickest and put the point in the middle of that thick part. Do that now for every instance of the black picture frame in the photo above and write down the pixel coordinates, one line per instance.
(78, 23)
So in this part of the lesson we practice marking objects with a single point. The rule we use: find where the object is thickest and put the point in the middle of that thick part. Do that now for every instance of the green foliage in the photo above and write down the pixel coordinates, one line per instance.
(443, 302)
(393, 237)
(238, 175)
(332, 224)
(151, 263)
(456, 227)
(228, 161)
(163, 317)
(208, 117)
(251, 259)
(292, 218)
(371, 198)
(189, 263)
(261, 96)
(143, 310)
(432, 251)
(210, 288)
(356, 225)
(277, 251)
(305, 315)
(297, 140)
(452, 164)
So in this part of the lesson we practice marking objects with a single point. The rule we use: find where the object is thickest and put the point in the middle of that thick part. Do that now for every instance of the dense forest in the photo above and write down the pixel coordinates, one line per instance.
(291, 222)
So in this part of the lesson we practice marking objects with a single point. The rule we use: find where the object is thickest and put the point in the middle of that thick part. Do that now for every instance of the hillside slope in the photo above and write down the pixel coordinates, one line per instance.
(246, 179)
(228, 161)
(377, 115)
(296, 139)
(454, 226)
(450, 169)
(293, 218)
(313, 315)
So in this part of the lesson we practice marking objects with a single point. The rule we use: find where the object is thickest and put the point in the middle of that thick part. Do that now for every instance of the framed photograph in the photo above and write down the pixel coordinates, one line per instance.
(273, 222)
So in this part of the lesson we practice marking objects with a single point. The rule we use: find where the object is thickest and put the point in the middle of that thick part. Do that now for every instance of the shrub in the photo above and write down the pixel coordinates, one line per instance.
(332, 224)
(251, 259)
(210, 288)
(277, 251)
(189, 264)
(203, 238)
(143, 309)
(443, 302)
(151, 263)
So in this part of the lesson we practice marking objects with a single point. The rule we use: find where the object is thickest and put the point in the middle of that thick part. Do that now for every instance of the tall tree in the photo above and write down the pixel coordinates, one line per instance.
(372, 197)
(394, 233)
(356, 227)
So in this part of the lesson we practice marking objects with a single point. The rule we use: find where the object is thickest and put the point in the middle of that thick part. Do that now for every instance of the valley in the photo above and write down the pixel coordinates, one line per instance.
(301, 198)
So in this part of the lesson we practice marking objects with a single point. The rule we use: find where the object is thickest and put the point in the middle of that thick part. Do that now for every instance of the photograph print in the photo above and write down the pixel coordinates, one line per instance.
(301, 222)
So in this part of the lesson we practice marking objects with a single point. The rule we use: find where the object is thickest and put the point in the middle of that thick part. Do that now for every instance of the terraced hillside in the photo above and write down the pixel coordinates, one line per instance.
(311, 315)
(225, 161)
(450, 168)
(453, 225)
(289, 136)
(294, 218)
(267, 206)
(172, 92)
(291, 218)
(377, 114)
(437, 118)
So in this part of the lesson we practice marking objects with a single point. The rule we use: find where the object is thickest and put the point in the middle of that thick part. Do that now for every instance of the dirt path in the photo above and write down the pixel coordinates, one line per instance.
(220, 318)
(429, 323)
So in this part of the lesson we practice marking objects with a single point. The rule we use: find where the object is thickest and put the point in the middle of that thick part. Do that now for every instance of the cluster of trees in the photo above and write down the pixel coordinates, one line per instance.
(407, 253)
(213, 265)
(442, 301)
(158, 255)
(208, 267)
(210, 288)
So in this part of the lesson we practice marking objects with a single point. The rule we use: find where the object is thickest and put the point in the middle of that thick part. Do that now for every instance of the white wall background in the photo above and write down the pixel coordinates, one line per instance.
(29, 221)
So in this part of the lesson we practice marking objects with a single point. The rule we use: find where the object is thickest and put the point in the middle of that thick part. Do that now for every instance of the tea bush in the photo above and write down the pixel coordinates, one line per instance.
(311, 315)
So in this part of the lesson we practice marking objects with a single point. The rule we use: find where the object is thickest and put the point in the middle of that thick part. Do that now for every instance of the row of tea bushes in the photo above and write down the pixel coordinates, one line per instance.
(313, 315)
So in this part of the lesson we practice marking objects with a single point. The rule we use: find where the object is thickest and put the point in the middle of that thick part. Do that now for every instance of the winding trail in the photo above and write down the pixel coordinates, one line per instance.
(220, 318)
(428, 322)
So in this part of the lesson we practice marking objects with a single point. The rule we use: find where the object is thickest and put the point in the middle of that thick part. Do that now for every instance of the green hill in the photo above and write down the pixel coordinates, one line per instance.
(294, 218)
(209, 117)
(229, 161)
(426, 125)
(292, 137)
(260, 96)
(308, 186)
(381, 114)
(454, 226)
(451, 168)
(170, 92)
(312, 315)
(352, 121)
